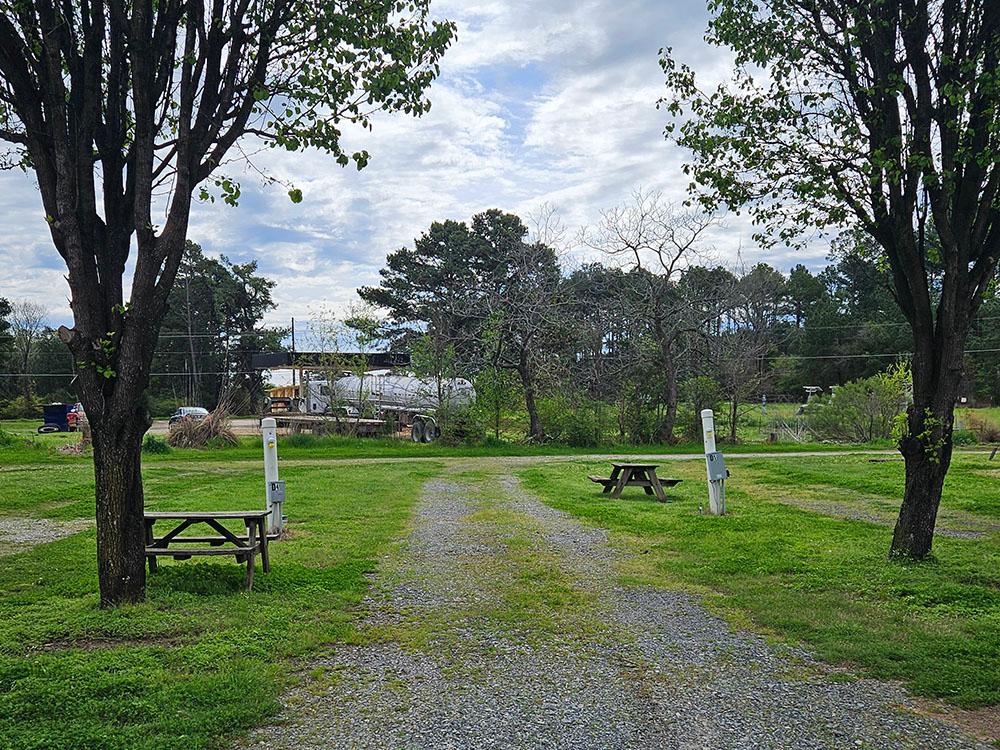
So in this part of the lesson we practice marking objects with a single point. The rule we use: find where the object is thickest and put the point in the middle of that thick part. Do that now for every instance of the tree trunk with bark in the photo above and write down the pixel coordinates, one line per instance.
(535, 430)
(927, 444)
(669, 364)
(120, 529)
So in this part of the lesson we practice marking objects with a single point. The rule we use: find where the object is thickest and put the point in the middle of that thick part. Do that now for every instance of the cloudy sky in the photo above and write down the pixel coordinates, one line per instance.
(540, 102)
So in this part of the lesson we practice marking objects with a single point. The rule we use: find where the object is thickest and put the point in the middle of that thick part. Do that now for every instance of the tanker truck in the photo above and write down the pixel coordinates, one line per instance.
(408, 401)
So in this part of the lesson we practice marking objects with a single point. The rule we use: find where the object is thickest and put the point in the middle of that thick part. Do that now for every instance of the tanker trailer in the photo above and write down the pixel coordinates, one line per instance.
(408, 400)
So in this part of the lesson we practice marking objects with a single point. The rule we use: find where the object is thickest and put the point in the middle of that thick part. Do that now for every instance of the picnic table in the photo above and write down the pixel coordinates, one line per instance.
(223, 542)
(634, 475)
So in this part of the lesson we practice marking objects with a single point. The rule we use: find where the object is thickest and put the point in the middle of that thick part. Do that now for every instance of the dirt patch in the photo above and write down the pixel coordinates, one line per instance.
(978, 722)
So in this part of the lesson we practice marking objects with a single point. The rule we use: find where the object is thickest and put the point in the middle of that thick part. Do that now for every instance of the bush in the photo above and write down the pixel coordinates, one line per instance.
(984, 430)
(6, 439)
(578, 424)
(459, 426)
(155, 444)
(698, 393)
(20, 408)
(861, 411)
(214, 431)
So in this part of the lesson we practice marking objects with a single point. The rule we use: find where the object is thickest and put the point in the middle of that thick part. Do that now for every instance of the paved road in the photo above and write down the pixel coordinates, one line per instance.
(501, 623)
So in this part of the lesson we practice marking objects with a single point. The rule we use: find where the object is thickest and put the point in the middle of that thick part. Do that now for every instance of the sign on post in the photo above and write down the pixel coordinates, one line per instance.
(715, 466)
(274, 489)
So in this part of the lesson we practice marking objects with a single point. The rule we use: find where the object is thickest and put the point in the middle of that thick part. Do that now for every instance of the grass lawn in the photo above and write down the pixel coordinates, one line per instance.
(790, 560)
(201, 659)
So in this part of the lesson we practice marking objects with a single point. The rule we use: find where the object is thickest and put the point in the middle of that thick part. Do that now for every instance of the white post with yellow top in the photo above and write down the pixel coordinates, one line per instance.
(274, 489)
(715, 466)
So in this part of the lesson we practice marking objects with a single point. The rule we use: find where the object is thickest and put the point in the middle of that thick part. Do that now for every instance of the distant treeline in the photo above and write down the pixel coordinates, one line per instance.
(654, 332)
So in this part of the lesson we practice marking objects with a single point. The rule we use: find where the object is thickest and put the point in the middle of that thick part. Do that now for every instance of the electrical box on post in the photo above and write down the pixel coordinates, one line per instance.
(276, 491)
(716, 466)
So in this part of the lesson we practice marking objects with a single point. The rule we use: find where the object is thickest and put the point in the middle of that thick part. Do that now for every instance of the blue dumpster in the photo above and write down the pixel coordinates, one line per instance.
(54, 418)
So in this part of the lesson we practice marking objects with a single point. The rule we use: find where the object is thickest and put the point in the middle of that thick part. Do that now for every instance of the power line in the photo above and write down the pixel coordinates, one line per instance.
(188, 373)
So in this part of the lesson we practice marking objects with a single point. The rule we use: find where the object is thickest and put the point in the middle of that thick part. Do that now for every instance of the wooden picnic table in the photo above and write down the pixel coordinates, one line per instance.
(634, 475)
(223, 542)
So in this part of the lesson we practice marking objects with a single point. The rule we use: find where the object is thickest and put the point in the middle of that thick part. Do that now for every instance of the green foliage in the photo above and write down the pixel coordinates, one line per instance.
(21, 407)
(575, 424)
(155, 444)
(862, 411)
(698, 393)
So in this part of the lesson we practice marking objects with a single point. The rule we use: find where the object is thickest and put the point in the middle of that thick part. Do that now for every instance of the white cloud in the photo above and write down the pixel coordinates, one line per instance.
(540, 101)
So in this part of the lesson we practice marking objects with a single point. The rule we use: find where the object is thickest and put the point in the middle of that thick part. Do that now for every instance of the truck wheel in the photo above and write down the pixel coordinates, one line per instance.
(417, 432)
(430, 432)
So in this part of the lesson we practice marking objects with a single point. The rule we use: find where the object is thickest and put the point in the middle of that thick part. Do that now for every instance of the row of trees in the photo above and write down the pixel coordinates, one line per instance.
(212, 327)
(655, 323)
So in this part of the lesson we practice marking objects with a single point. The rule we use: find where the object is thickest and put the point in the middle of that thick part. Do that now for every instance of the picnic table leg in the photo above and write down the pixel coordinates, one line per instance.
(251, 553)
(626, 473)
(615, 471)
(658, 490)
(151, 559)
(642, 475)
(264, 558)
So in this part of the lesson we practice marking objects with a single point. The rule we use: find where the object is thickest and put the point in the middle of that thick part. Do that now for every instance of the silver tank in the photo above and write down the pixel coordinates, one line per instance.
(391, 391)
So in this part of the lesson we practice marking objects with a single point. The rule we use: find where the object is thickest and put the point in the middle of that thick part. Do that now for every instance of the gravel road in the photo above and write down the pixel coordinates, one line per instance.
(501, 623)
(17, 534)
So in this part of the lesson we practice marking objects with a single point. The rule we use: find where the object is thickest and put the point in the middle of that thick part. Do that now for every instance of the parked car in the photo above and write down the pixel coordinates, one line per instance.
(74, 415)
(196, 413)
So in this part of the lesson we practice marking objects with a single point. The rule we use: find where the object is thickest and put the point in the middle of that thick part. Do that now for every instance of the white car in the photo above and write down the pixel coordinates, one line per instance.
(188, 412)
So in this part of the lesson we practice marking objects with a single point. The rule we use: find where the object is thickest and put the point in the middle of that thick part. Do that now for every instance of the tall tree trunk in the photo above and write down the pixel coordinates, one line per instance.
(670, 400)
(734, 413)
(120, 531)
(927, 445)
(535, 430)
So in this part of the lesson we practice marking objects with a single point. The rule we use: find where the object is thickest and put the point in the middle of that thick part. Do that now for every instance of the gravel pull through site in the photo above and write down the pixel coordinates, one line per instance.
(502, 623)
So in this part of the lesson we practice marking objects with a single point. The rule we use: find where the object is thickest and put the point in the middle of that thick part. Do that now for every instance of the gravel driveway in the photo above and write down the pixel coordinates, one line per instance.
(501, 623)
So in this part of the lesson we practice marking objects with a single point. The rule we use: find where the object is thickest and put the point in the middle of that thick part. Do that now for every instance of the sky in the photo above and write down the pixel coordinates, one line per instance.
(540, 103)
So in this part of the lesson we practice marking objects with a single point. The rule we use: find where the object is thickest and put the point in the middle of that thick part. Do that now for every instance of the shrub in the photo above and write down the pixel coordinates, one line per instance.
(154, 444)
(984, 430)
(698, 393)
(214, 431)
(459, 426)
(578, 424)
(20, 408)
(861, 411)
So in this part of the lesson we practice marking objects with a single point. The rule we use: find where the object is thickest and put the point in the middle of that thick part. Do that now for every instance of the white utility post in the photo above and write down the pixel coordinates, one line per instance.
(715, 465)
(274, 489)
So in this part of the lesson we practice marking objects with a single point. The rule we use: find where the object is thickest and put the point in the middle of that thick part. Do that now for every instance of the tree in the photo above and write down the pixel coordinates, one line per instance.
(123, 111)
(659, 242)
(881, 116)
(27, 322)
(467, 285)
(212, 329)
(521, 296)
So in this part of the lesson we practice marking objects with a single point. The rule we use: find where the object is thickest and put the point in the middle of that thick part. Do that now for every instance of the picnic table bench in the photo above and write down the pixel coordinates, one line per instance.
(223, 542)
(634, 475)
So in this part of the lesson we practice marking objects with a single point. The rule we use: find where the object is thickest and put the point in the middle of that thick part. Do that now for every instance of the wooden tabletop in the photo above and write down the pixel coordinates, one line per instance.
(177, 514)
(633, 466)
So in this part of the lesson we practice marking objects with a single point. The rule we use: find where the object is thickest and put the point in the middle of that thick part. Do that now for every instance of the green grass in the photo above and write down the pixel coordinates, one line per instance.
(201, 659)
(810, 577)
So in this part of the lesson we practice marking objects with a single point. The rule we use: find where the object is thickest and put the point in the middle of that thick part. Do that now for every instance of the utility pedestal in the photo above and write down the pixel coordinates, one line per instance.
(715, 466)
(274, 489)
